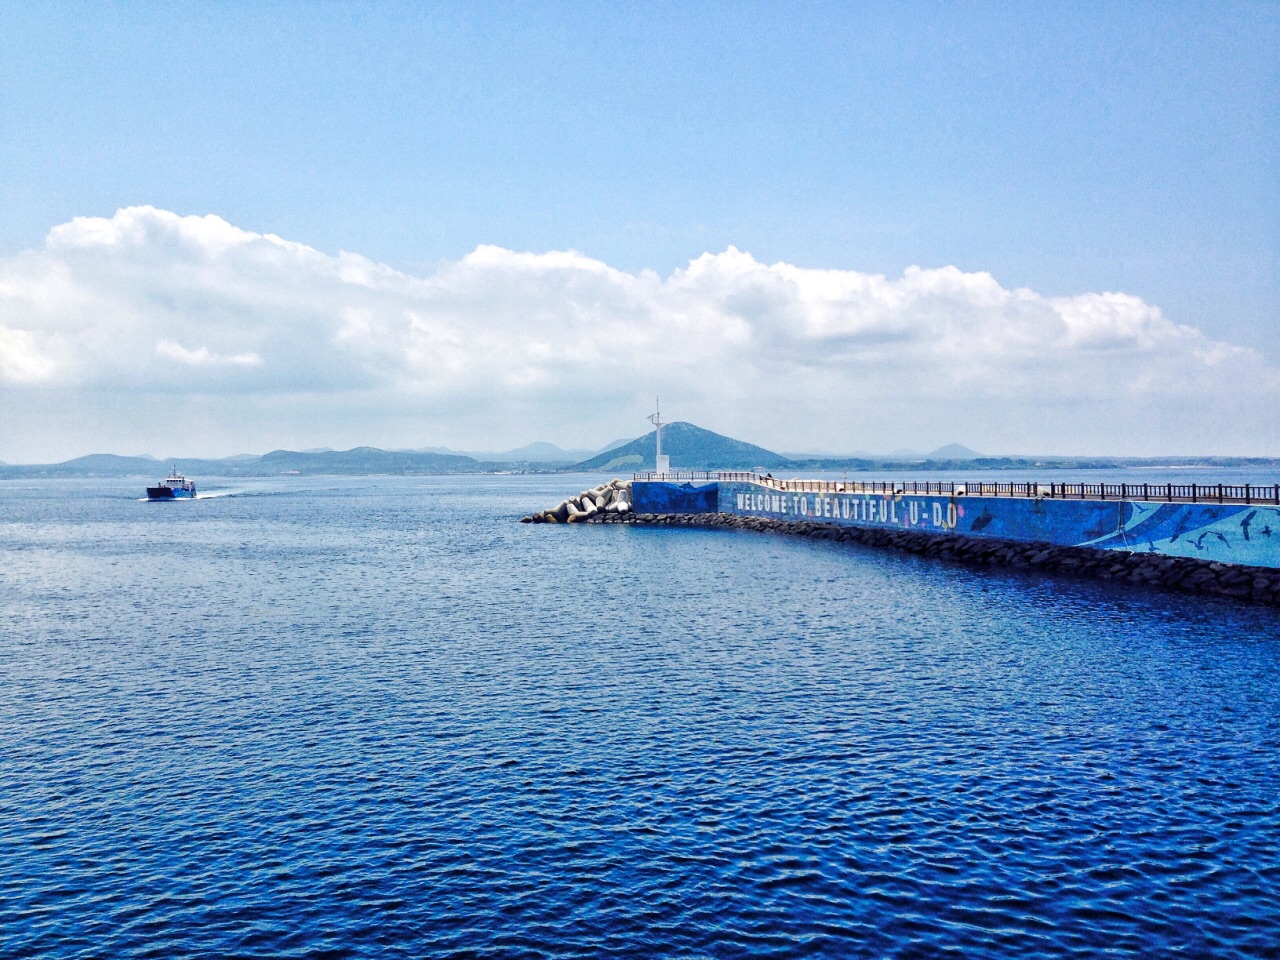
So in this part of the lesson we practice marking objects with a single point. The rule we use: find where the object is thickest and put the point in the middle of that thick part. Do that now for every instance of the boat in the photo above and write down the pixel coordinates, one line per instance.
(173, 487)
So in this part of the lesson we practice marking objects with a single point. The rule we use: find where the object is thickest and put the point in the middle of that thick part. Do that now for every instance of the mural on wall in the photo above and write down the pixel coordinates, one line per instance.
(1231, 533)
(663, 496)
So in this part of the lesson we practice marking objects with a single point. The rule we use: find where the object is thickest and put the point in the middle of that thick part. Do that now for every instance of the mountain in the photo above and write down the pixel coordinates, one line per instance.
(106, 465)
(539, 452)
(456, 453)
(690, 448)
(531, 453)
(615, 444)
(809, 457)
(954, 451)
(360, 461)
(363, 461)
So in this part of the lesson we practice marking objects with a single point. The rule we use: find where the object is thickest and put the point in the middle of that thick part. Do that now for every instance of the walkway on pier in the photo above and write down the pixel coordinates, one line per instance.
(1149, 492)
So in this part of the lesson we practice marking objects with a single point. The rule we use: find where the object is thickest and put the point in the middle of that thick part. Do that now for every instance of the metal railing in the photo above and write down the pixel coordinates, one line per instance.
(678, 475)
(1158, 492)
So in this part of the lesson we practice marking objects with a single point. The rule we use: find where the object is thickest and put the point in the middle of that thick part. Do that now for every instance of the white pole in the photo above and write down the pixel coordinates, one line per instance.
(656, 419)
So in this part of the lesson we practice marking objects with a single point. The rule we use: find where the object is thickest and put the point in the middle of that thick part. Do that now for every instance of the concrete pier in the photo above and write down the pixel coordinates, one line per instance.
(1217, 539)
(1214, 539)
(1238, 525)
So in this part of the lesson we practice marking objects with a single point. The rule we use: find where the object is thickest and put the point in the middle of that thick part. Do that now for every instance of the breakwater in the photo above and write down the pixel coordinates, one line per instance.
(1237, 525)
(1209, 539)
(1183, 574)
(610, 498)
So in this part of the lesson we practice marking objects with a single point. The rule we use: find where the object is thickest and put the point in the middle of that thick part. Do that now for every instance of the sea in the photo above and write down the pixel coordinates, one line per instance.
(379, 717)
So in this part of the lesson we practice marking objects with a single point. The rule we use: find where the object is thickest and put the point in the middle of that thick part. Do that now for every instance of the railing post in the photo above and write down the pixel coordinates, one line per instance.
(1194, 493)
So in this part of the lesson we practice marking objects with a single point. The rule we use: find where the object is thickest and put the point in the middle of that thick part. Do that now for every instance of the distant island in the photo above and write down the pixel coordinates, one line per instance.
(690, 448)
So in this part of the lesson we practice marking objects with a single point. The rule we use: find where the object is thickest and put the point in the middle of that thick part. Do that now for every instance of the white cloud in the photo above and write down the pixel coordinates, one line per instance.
(202, 356)
(502, 346)
(21, 360)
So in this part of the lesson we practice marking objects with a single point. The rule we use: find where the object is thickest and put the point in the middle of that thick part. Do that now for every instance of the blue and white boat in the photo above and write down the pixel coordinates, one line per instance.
(173, 487)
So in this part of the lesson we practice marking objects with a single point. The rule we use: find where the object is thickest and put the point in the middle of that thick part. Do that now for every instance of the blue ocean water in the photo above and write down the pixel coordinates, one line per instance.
(377, 717)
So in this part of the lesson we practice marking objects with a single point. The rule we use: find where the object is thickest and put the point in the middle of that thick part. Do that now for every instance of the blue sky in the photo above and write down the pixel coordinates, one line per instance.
(1068, 149)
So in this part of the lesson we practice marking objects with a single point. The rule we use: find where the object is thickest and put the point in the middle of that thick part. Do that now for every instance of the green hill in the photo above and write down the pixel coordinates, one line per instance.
(690, 448)
(362, 461)
(93, 465)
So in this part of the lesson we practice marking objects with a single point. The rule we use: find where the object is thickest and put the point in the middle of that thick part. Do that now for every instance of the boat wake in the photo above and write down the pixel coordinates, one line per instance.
(211, 495)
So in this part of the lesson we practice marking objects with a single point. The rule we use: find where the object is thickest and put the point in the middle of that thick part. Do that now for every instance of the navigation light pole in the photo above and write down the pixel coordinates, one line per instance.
(661, 464)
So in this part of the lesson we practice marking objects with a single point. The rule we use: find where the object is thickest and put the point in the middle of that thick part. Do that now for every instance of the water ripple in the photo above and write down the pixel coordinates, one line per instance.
(349, 718)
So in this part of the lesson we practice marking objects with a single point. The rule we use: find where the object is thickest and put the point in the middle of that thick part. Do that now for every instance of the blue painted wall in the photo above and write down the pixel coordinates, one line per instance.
(1227, 533)
(1230, 533)
(655, 496)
